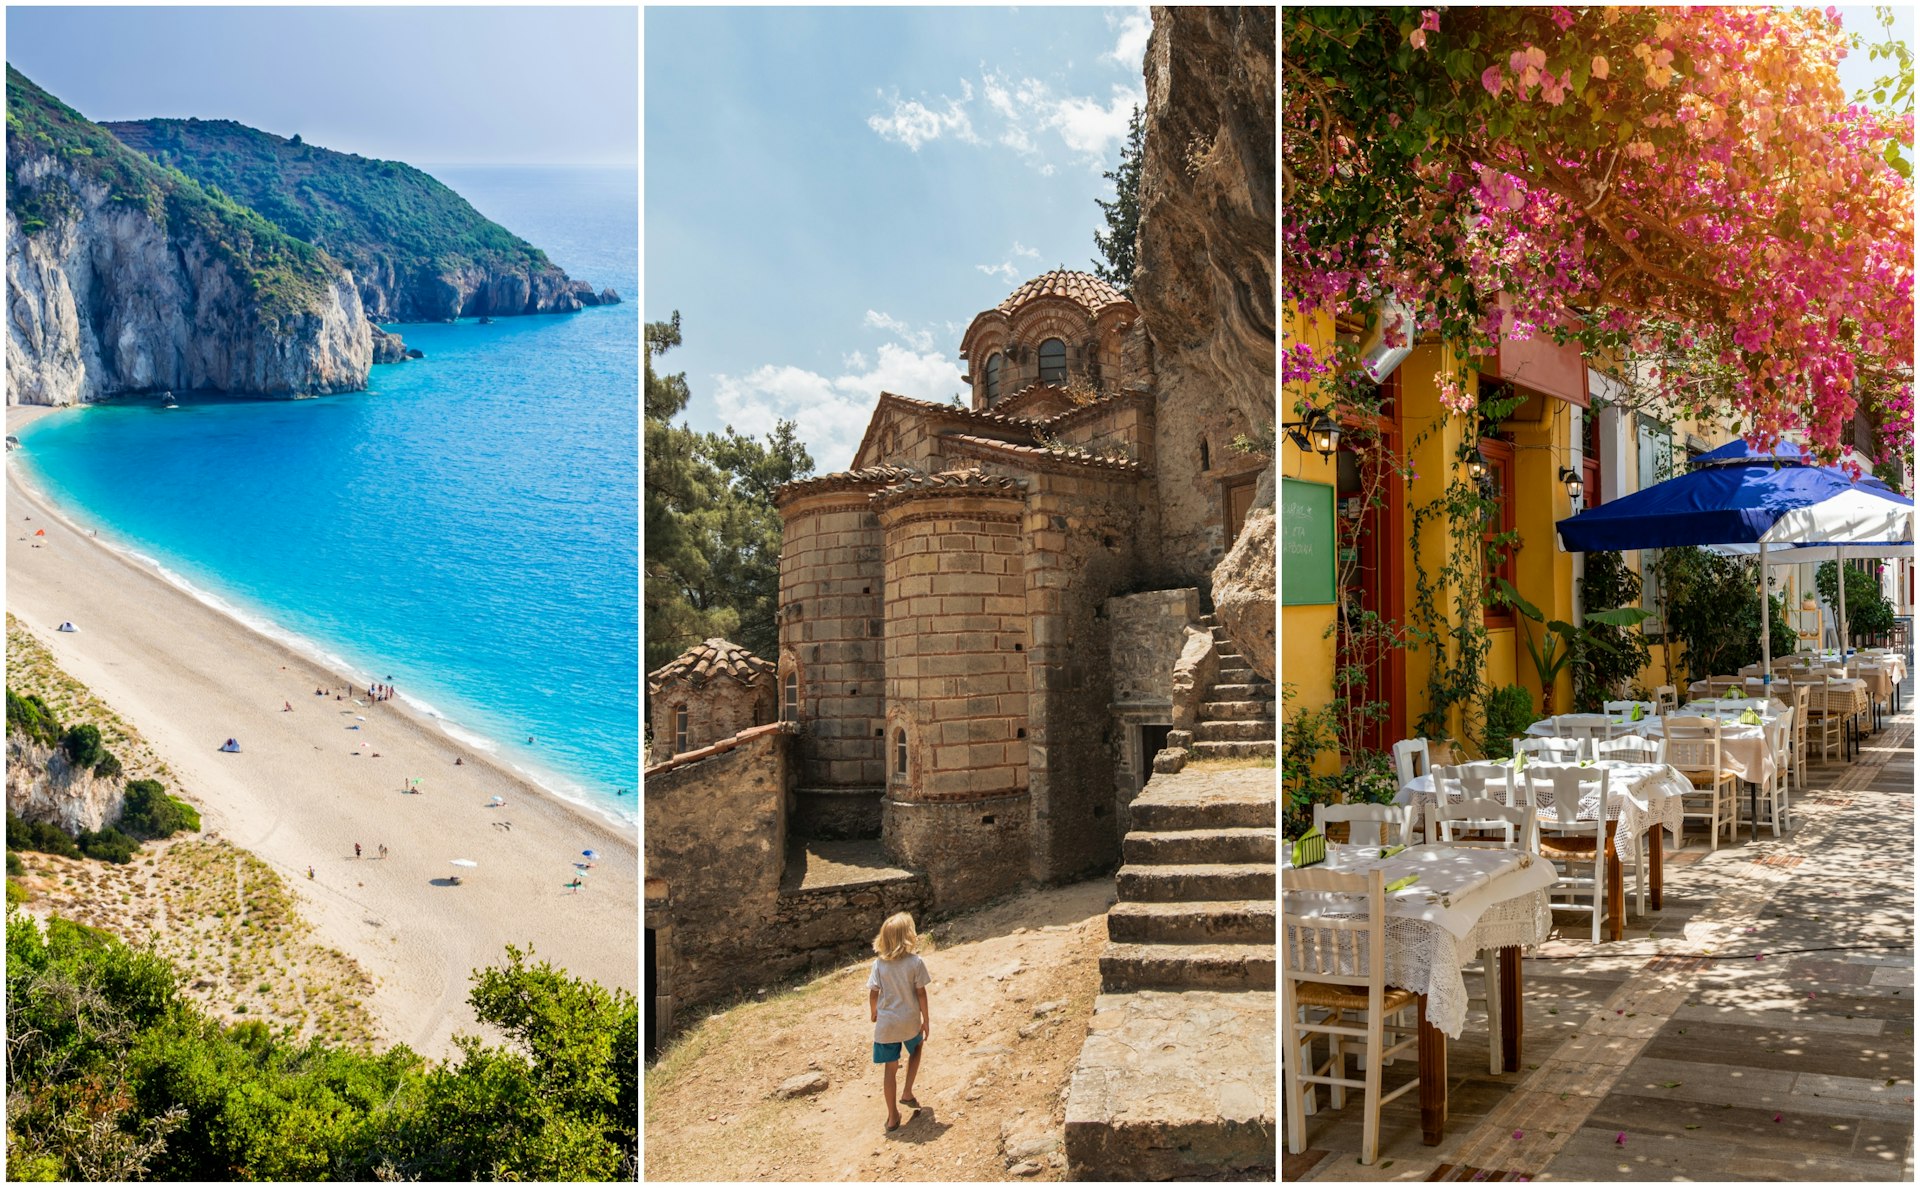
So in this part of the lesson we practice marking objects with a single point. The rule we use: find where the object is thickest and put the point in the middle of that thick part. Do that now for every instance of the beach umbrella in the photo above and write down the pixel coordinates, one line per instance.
(590, 856)
(41, 532)
(465, 862)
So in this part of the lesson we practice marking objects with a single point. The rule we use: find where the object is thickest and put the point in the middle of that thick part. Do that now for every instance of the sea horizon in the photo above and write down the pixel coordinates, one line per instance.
(453, 561)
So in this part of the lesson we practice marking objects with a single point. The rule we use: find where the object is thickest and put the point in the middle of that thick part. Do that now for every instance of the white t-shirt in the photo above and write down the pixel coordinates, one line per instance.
(899, 1007)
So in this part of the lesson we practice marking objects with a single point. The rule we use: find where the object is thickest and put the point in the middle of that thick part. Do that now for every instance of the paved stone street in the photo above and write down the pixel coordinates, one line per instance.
(1760, 1027)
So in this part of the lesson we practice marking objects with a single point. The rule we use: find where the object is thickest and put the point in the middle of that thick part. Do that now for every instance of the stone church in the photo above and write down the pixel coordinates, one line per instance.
(982, 623)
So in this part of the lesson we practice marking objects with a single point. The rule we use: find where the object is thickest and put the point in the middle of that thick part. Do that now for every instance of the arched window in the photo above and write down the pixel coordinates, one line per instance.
(993, 377)
(679, 729)
(1053, 361)
(900, 752)
(790, 708)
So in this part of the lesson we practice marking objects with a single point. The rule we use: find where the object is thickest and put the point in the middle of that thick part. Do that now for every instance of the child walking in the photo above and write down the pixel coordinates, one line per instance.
(897, 1003)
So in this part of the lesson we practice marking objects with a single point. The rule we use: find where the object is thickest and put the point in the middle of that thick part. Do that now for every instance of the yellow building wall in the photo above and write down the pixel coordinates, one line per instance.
(1307, 653)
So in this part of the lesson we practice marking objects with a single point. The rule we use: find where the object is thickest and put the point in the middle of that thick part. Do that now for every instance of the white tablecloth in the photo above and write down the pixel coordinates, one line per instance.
(1641, 794)
(1467, 901)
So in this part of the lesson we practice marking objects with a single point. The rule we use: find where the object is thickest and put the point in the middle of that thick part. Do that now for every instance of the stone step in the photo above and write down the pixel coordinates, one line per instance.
(1237, 711)
(1125, 967)
(1243, 691)
(1229, 731)
(1177, 846)
(1235, 750)
(1202, 922)
(1252, 807)
(1196, 881)
(1237, 674)
(1175, 1087)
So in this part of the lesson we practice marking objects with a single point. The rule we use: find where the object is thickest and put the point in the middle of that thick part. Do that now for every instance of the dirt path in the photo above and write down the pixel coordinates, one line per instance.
(1013, 987)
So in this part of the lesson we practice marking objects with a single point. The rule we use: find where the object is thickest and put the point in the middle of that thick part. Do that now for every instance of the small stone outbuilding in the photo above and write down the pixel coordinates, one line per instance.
(711, 691)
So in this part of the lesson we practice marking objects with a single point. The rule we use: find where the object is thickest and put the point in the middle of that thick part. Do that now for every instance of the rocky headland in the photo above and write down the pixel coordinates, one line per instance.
(418, 251)
(123, 277)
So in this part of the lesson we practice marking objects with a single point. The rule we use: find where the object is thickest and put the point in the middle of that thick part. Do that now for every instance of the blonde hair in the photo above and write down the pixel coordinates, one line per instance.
(897, 938)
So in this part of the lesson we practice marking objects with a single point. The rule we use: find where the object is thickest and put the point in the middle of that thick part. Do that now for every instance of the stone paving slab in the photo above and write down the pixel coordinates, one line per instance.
(1597, 1104)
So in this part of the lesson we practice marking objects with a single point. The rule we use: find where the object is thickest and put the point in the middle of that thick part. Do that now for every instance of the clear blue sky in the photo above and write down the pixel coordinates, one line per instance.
(427, 86)
(831, 195)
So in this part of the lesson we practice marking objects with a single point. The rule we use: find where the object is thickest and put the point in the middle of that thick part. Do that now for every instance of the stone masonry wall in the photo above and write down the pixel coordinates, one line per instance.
(717, 709)
(830, 633)
(816, 928)
(956, 668)
(974, 850)
(1147, 633)
(1080, 531)
(716, 837)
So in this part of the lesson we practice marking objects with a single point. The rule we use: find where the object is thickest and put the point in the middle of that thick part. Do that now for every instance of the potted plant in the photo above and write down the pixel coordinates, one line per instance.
(1560, 639)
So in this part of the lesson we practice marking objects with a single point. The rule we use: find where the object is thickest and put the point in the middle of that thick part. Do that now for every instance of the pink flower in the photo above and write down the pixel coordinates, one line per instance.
(1418, 40)
(1776, 1117)
(1520, 1134)
(1430, 21)
(1492, 79)
(1563, 17)
(1621, 1138)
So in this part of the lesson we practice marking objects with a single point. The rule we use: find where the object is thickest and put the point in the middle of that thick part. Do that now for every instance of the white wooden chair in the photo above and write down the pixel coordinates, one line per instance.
(1773, 798)
(1666, 699)
(1333, 968)
(1718, 686)
(1480, 819)
(1411, 760)
(1552, 750)
(1693, 746)
(1622, 708)
(1590, 726)
(1567, 841)
(1828, 726)
(1632, 748)
(1801, 698)
(1367, 824)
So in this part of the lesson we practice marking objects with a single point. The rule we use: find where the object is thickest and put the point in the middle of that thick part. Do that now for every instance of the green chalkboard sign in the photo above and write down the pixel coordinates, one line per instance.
(1306, 543)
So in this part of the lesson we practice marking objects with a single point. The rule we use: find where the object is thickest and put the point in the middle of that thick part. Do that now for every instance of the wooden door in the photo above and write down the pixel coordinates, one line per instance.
(1238, 501)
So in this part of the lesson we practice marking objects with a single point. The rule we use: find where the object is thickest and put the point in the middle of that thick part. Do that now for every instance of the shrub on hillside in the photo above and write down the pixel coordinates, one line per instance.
(30, 716)
(36, 835)
(83, 746)
(14, 865)
(108, 845)
(149, 813)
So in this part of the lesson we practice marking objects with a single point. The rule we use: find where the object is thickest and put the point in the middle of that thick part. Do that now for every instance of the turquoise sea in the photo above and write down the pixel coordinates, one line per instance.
(469, 525)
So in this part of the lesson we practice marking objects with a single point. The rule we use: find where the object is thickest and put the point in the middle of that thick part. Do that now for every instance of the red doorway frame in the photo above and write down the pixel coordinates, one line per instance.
(1383, 581)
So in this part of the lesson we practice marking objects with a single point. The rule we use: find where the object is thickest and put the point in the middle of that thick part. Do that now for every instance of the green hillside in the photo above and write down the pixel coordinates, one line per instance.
(361, 210)
(285, 274)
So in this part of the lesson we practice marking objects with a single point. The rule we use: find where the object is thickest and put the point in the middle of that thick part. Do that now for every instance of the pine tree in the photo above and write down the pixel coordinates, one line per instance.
(1123, 213)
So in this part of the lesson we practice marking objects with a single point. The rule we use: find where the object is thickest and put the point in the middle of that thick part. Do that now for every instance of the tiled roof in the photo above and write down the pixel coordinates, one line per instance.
(712, 658)
(720, 747)
(949, 482)
(1084, 288)
(866, 476)
(961, 411)
(1040, 454)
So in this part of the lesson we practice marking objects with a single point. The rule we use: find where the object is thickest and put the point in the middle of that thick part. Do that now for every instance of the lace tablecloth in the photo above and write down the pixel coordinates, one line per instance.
(1641, 794)
(1433, 932)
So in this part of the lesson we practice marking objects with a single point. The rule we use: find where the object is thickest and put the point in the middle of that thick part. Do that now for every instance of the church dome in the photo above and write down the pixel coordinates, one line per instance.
(1083, 288)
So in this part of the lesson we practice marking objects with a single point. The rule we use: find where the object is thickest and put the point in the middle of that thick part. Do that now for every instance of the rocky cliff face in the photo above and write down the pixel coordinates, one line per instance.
(103, 299)
(43, 786)
(1205, 288)
(426, 294)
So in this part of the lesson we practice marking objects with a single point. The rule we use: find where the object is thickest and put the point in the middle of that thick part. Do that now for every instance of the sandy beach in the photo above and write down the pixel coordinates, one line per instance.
(306, 787)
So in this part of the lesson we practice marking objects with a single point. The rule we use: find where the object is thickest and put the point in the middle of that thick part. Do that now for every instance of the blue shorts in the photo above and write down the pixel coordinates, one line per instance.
(889, 1053)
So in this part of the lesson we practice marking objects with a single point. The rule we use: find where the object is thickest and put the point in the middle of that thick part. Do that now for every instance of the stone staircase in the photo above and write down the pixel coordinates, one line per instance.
(1236, 720)
(1176, 1078)
(1196, 886)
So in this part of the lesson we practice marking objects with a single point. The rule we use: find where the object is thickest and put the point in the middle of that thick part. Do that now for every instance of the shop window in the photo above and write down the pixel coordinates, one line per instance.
(1498, 520)
(1053, 361)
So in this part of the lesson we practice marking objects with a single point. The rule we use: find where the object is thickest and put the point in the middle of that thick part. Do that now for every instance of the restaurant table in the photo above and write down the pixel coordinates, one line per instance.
(1743, 748)
(1466, 901)
(1643, 798)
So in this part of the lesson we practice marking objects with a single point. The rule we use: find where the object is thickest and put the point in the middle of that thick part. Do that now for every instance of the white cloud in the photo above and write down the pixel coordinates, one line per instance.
(832, 412)
(857, 361)
(1130, 51)
(1020, 249)
(914, 123)
(1006, 271)
(918, 339)
(1026, 110)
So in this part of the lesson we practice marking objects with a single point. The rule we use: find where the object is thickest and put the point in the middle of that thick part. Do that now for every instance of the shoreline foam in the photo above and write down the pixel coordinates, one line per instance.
(186, 674)
(553, 783)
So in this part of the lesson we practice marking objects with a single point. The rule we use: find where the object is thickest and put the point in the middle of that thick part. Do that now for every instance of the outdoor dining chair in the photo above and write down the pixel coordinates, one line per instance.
(1590, 726)
(1411, 760)
(1693, 747)
(1570, 843)
(1367, 824)
(1666, 699)
(1717, 686)
(1622, 708)
(1632, 748)
(1482, 818)
(1774, 788)
(1552, 750)
(1333, 968)
(1801, 698)
(1827, 723)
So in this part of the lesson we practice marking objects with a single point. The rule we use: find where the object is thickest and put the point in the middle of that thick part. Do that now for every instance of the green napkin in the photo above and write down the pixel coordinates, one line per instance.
(1311, 848)
(1639, 712)
(1403, 884)
(1749, 719)
(1520, 761)
(1390, 851)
